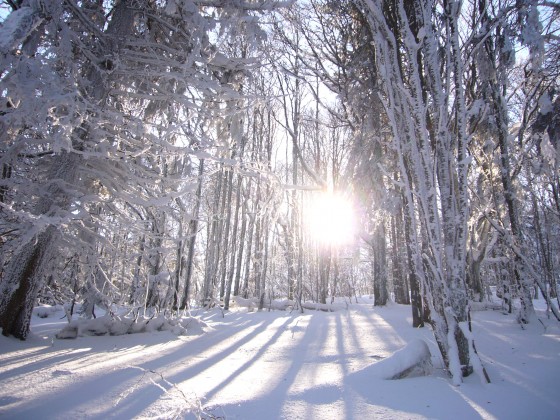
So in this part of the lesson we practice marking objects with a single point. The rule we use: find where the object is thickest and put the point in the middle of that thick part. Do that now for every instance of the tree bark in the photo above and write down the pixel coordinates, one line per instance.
(193, 231)
(380, 290)
(400, 283)
(233, 253)
(21, 281)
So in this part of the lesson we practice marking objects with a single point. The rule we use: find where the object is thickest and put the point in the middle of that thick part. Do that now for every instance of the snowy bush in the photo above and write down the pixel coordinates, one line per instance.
(108, 325)
(273, 304)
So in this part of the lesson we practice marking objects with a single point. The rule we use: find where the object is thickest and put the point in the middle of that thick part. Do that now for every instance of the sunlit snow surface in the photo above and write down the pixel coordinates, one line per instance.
(277, 365)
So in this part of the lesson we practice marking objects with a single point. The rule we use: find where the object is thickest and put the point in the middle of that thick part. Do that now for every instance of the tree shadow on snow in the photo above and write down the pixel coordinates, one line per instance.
(128, 383)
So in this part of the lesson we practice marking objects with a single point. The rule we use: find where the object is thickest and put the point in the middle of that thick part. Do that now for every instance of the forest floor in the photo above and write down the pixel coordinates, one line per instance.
(278, 365)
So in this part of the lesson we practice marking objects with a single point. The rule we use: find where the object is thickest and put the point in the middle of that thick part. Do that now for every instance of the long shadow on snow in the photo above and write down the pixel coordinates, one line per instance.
(267, 406)
(146, 393)
(51, 357)
(245, 366)
(383, 327)
(351, 351)
(427, 396)
(306, 394)
(150, 394)
(430, 396)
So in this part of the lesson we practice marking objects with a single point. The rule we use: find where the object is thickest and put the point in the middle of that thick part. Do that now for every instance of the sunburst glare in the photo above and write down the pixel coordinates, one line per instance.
(330, 219)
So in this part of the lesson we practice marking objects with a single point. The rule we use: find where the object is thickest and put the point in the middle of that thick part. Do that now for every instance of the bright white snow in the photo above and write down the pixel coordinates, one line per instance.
(278, 365)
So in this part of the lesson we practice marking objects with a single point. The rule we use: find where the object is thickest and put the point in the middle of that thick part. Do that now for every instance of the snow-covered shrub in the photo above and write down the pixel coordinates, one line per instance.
(112, 325)
(273, 304)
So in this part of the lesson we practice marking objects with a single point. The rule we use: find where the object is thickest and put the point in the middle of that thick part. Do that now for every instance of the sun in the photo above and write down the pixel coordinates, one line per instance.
(330, 219)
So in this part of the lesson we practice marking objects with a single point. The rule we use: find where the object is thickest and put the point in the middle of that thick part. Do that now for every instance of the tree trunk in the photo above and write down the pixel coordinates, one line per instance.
(226, 235)
(261, 278)
(213, 242)
(135, 288)
(324, 262)
(242, 241)
(193, 231)
(247, 271)
(400, 283)
(380, 292)
(179, 269)
(22, 279)
(416, 301)
(234, 237)
(527, 310)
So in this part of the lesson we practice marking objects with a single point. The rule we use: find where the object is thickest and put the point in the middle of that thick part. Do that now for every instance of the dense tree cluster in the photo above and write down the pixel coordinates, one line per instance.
(164, 154)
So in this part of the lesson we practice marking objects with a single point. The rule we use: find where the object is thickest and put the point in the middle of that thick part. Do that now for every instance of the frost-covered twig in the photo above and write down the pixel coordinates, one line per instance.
(193, 405)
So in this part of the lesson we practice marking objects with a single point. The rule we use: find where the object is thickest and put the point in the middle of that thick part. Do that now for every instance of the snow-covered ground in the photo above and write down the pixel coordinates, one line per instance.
(277, 365)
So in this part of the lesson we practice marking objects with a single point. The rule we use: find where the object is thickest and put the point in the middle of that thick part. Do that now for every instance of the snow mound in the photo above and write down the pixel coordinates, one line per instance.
(108, 325)
(194, 326)
(412, 360)
(241, 302)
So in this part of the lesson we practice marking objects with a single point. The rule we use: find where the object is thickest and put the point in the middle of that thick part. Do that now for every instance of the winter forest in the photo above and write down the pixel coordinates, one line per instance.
(166, 158)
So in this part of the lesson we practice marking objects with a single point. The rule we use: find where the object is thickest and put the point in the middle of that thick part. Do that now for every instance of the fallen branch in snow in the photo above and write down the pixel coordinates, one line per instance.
(252, 303)
(412, 360)
(485, 306)
(279, 305)
(193, 405)
(327, 307)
